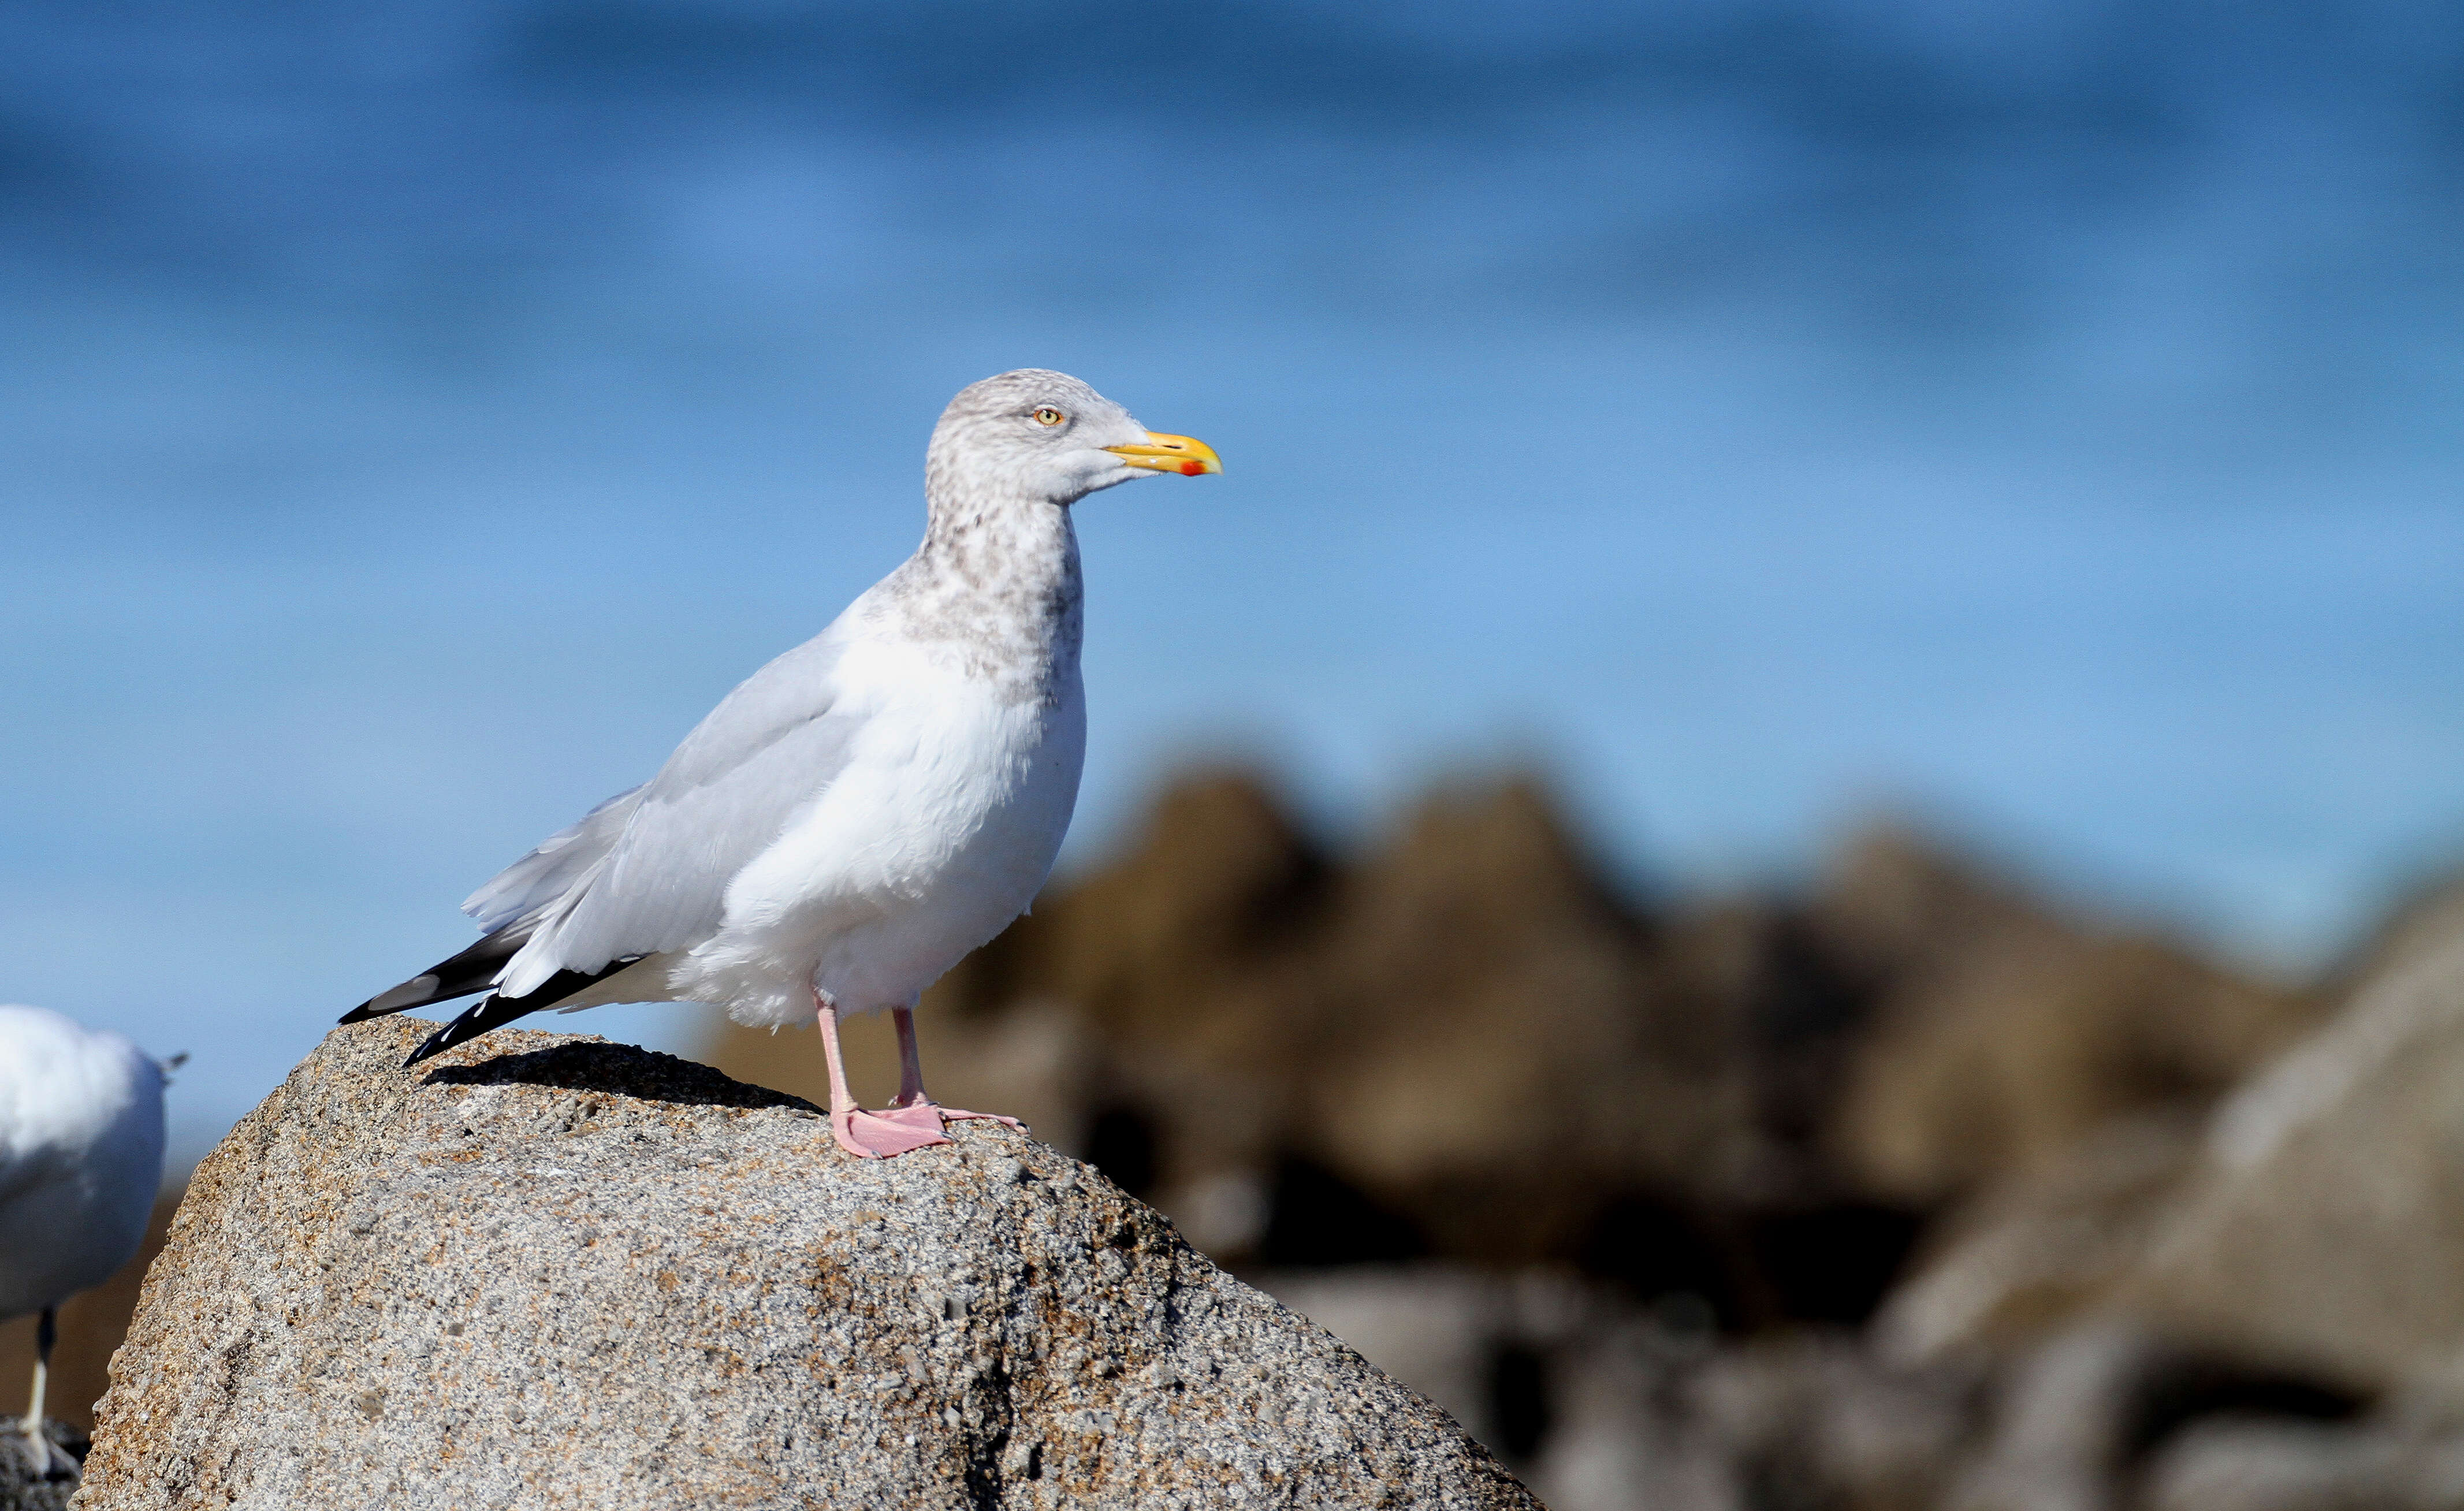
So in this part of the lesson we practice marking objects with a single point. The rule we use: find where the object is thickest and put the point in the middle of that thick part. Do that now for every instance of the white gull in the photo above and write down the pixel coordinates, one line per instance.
(80, 1164)
(865, 810)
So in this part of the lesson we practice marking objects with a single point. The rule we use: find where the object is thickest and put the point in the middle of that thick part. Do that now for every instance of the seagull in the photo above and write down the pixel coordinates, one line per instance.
(81, 1164)
(865, 810)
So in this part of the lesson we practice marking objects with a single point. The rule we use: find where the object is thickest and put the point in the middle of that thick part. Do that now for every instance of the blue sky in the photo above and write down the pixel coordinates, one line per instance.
(416, 415)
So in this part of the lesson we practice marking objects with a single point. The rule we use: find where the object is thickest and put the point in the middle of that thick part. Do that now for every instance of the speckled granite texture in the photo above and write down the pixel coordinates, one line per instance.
(546, 1271)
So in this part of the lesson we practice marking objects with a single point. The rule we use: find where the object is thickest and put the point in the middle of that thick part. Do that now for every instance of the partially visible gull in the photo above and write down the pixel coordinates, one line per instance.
(81, 1164)
(865, 810)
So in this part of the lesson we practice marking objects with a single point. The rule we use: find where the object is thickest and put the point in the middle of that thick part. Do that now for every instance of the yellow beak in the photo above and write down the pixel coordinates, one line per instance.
(1171, 453)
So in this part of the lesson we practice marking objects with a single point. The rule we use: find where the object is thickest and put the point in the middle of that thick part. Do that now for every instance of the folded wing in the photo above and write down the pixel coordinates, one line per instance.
(646, 871)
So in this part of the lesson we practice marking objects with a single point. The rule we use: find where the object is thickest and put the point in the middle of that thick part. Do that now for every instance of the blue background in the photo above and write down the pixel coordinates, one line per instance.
(414, 415)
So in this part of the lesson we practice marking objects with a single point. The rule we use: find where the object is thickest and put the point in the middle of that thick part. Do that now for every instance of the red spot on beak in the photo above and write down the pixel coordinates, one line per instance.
(1192, 469)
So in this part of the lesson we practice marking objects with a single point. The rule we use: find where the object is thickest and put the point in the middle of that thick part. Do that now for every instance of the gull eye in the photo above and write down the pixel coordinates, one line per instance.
(1048, 415)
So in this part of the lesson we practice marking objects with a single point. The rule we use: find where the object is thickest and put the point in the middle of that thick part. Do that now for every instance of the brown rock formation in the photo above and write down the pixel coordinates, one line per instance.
(2323, 1228)
(1999, 1034)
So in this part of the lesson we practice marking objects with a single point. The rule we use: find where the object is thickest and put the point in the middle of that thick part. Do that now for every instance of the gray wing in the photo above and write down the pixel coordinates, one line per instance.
(660, 882)
(523, 892)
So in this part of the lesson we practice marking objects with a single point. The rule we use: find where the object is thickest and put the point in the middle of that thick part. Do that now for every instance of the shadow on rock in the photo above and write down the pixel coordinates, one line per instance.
(619, 1070)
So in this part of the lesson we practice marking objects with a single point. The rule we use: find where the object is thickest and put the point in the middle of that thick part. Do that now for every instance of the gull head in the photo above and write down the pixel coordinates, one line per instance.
(1039, 436)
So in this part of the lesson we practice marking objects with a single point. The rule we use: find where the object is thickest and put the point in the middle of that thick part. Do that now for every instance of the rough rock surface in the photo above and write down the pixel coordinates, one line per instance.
(547, 1271)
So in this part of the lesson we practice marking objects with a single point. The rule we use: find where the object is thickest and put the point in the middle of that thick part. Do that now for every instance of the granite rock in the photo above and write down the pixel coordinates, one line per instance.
(546, 1271)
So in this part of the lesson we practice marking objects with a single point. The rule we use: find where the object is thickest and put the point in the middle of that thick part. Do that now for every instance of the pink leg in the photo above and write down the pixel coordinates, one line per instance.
(914, 1108)
(867, 1135)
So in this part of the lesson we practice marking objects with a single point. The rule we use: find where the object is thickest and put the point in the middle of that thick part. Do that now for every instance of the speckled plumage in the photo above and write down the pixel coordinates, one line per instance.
(999, 589)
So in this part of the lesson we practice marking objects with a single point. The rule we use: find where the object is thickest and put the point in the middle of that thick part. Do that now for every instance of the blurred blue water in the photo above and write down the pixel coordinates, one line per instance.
(415, 415)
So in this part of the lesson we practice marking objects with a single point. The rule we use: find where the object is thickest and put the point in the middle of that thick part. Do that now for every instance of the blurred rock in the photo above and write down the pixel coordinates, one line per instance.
(1814, 1419)
(1612, 1407)
(2250, 1279)
(553, 1271)
(1650, 1420)
(1622, 1440)
(1893, 902)
(1466, 1045)
(2044, 1247)
(2325, 1231)
(2395, 1461)
(1380, 1048)
(2303, 1225)
(2077, 1422)
(2063, 1425)
(22, 1487)
(1500, 1052)
(2428, 918)
(2000, 1034)
(2235, 1464)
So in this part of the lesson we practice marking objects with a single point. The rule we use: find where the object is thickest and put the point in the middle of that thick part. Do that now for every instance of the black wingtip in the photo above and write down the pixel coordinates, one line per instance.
(429, 986)
(464, 1027)
(495, 1010)
(436, 1043)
